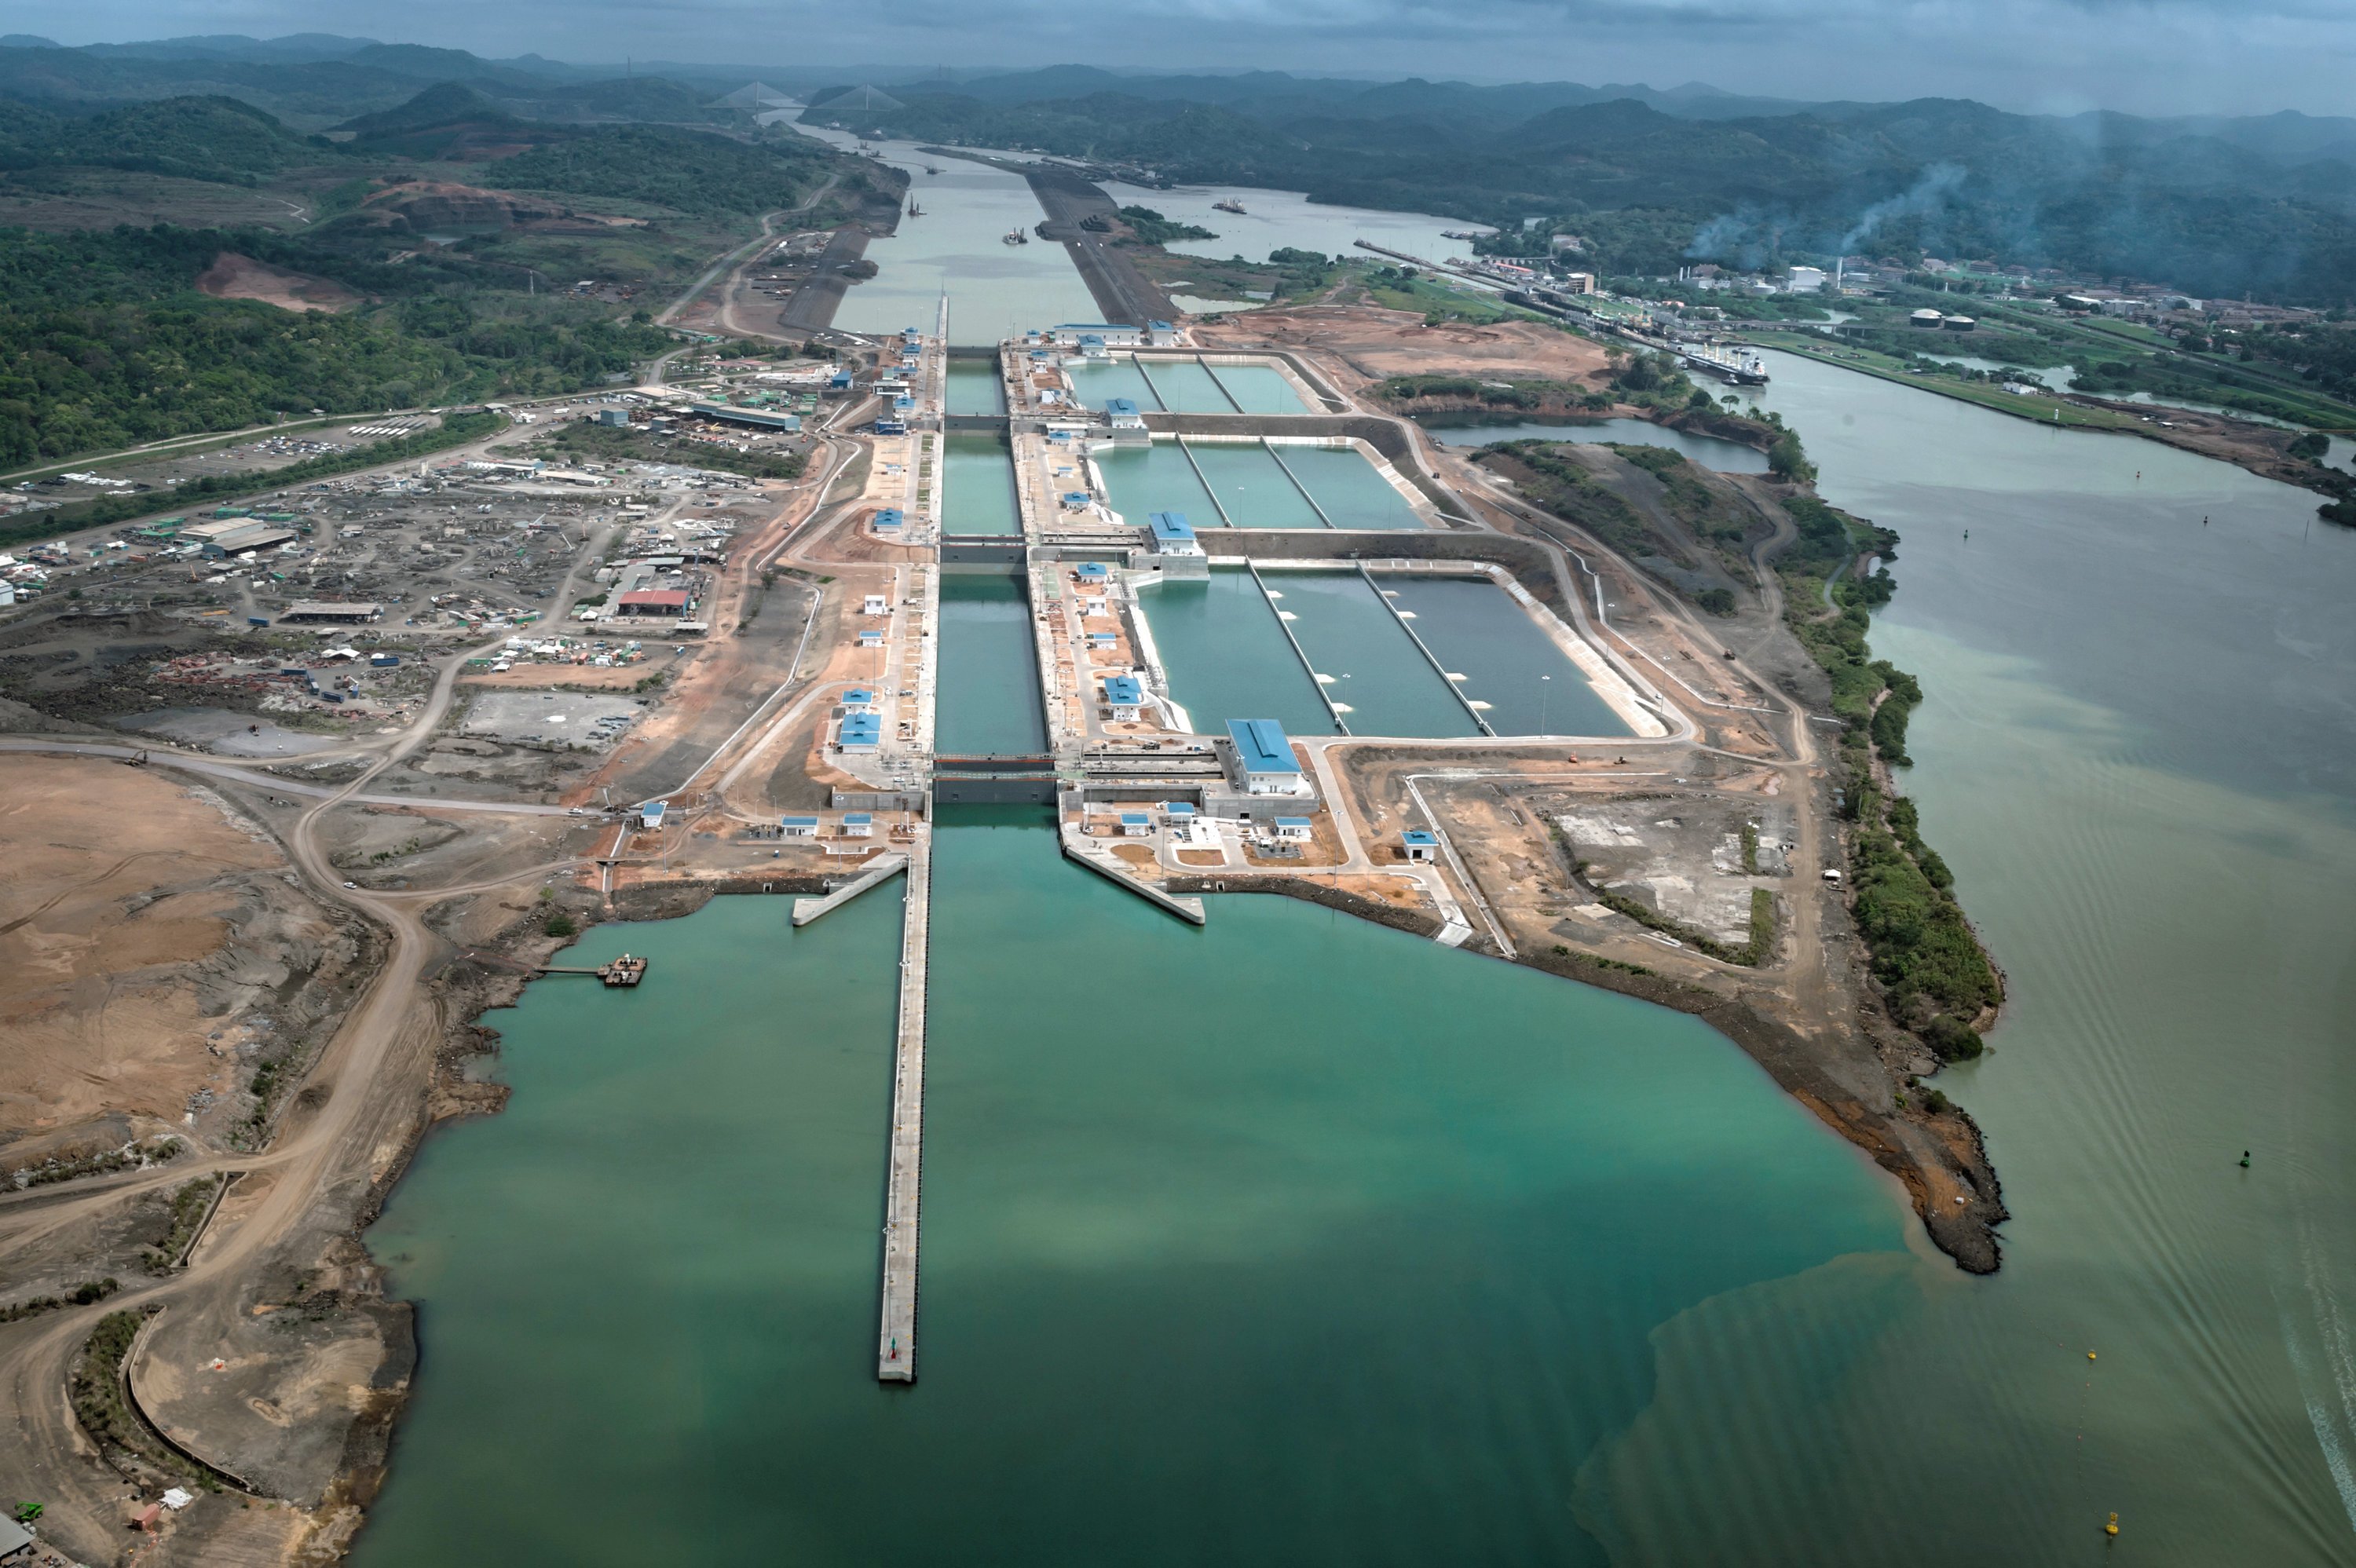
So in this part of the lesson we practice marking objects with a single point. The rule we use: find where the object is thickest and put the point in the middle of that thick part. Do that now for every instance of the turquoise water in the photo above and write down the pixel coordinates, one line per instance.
(1260, 389)
(1097, 385)
(1349, 488)
(1183, 387)
(978, 479)
(1474, 629)
(974, 387)
(1142, 480)
(1385, 686)
(988, 695)
(1727, 456)
(1226, 656)
(1364, 1281)
(1253, 488)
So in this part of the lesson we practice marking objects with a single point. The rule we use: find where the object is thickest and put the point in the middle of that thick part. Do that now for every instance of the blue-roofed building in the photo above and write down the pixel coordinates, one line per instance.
(1077, 500)
(859, 699)
(1178, 813)
(1173, 534)
(1162, 335)
(1102, 332)
(1093, 574)
(1124, 695)
(859, 824)
(889, 520)
(1124, 414)
(1294, 829)
(1421, 843)
(870, 639)
(859, 732)
(840, 381)
(797, 827)
(650, 814)
(1136, 824)
(1260, 759)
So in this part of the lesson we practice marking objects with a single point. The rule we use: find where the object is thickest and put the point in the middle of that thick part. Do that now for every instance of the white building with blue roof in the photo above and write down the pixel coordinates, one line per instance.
(1124, 695)
(1259, 758)
(1173, 534)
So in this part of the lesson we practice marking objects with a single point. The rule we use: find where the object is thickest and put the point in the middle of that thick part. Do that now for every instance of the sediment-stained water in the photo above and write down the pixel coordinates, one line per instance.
(2136, 752)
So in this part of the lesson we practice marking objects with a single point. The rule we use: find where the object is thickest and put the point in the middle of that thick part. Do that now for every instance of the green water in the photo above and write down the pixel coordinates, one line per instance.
(1184, 387)
(1142, 480)
(2138, 755)
(974, 387)
(1474, 629)
(1253, 488)
(1339, 1247)
(978, 479)
(1349, 488)
(1226, 657)
(1260, 389)
(987, 699)
(1097, 384)
(1385, 686)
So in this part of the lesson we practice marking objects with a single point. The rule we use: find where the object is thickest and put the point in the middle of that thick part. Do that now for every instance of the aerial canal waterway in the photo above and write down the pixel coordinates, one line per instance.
(2138, 752)
(978, 485)
(956, 246)
(1290, 1239)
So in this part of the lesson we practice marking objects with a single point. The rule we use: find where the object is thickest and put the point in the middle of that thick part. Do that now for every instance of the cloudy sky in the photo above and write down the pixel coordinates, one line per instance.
(2144, 55)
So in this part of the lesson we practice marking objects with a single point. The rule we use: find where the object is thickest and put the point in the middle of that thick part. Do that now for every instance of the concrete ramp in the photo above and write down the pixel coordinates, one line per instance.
(1185, 906)
(878, 870)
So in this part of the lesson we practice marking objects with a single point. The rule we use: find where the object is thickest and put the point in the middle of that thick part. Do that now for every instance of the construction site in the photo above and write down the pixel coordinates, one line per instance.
(397, 737)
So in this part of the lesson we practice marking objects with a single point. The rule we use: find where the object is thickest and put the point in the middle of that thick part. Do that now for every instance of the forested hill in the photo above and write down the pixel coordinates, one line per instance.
(2259, 207)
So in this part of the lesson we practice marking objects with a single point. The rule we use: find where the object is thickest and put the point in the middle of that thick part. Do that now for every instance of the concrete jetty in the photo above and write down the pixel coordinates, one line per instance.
(1076, 846)
(896, 1338)
(879, 869)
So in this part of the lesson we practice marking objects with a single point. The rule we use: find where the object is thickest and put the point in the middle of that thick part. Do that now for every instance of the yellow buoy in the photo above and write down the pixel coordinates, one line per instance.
(2111, 1528)
(2090, 1355)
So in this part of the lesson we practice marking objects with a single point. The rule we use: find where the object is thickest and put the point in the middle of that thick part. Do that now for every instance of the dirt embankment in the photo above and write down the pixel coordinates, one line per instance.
(233, 276)
(153, 956)
(1376, 343)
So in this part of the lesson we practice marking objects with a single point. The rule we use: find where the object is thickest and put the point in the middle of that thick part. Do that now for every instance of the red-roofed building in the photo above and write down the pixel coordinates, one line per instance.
(655, 602)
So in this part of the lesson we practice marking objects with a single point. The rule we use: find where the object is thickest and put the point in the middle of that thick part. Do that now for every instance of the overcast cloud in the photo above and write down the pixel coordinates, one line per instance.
(2169, 57)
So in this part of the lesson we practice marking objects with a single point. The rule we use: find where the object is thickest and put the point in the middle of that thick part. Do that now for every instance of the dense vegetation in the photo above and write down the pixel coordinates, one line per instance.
(1645, 189)
(1155, 230)
(687, 171)
(1924, 952)
(105, 342)
(207, 138)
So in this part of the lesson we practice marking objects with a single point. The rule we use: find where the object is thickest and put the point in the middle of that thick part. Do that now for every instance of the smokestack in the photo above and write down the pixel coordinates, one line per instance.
(1839, 266)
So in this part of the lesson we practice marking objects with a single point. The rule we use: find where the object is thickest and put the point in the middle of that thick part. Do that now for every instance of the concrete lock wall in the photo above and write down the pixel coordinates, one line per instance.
(1385, 436)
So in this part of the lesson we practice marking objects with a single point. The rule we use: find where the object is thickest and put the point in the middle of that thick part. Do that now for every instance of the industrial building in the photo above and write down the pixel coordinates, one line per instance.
(797, 827)
(1123, 696)
(790, 423)
(319, 610)
(859, 824)
(1420, 844)
(1259, 759)
(671, 601)
(247, 538)
(1124, 414)
(1173, 534)
(859, 732)
(1105, 334)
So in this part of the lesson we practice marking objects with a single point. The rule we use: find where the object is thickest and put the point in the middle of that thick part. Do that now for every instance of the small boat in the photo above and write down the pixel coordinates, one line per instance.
(915, 212)
(932, 168)
(627, 970)
(1014, 237)
(1230, 205)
